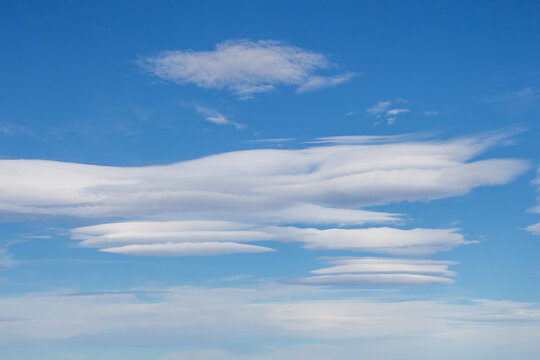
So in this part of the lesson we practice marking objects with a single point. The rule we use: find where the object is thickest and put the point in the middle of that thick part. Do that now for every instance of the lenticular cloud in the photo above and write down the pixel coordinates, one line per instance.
(380, 271)
(330, 182)
(231, 199)
(192, 238)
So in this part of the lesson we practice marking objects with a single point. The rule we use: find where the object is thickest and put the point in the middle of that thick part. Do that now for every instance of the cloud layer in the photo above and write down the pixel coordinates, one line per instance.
(244, 67)
(210, 317)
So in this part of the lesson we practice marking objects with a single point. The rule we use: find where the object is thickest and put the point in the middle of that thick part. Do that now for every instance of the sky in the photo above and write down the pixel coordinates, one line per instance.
(263, 180)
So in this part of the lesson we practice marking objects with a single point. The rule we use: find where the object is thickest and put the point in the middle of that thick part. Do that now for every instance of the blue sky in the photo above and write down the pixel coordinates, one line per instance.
(269, 180)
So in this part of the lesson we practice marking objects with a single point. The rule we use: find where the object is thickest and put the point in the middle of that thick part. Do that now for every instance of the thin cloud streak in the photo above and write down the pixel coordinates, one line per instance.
(373, 280)
(187, 249)
(216, 117)
(383, 109)
(516, 100)
(319, 82)
(6, 261)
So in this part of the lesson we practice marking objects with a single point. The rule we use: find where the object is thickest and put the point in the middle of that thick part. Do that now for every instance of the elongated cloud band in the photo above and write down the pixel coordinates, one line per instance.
(380, 271)
(187, 248)
(330, 180)
(156, 237)
(222, 202)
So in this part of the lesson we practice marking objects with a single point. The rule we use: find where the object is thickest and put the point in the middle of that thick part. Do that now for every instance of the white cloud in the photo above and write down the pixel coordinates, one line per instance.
(270, 190)
(380, 271)
(237, 277)
(320, 215)
(386, 265)
(371, 139)
(187, 249)
(374, 279)
(534, 229)
(475, 346)
(244, 67)
(201, 237)
(318, 82)
(215, 117)
(384, 240)
(379, 108)
(254, 182)
(206, 318)
(269, 141)
(393, 112)
(382, 110)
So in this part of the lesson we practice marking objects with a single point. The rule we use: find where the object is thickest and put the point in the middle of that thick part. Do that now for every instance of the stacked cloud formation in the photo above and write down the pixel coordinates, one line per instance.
(224, 203)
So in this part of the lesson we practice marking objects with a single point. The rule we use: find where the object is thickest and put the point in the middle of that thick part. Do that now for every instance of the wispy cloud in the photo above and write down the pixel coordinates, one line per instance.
(372, 139)
(394, 112)
(12, 129)
(244, 67)
(384, 109)
(270, 141)
(216, 117)
(535, 229)
(318, 82)
(237, 277)
(117, 292)
(516, 100)
(6, 261)
(379, 108)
